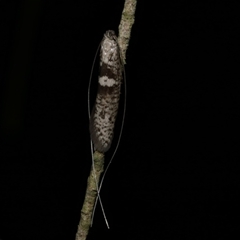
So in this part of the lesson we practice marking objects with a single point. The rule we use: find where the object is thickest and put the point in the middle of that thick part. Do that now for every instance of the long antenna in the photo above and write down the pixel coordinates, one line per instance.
(89, 116)
(118, 142)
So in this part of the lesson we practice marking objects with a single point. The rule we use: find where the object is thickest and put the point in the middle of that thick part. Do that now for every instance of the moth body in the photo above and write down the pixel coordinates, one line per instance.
(104, 113)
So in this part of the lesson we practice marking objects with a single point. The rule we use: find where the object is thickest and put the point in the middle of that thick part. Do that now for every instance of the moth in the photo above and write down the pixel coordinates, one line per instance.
(105, 109)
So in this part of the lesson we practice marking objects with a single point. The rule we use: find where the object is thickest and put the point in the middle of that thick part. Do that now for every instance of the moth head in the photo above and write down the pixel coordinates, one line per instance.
(109, 42)
(110, 34)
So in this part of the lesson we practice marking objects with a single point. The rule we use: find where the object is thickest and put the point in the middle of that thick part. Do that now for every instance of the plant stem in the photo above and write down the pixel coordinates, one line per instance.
(90, 196)
(125, 26)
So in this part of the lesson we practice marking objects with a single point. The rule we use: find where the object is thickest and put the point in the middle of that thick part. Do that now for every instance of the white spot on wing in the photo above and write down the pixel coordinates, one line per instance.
(106, 82)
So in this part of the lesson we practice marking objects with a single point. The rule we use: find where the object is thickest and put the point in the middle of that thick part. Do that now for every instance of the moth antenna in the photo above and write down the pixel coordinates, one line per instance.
(103, 116)
(98, 194)
(91, 143)
(119, 138)
(90, 81)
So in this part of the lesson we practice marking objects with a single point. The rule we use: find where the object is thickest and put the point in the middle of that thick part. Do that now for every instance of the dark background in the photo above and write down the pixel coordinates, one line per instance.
(175, 175)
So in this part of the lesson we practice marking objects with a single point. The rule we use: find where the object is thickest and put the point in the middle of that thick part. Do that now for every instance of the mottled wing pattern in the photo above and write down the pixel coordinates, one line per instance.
(105, 110)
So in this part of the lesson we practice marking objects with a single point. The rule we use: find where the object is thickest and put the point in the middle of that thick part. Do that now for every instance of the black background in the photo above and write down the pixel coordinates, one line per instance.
(175, 175)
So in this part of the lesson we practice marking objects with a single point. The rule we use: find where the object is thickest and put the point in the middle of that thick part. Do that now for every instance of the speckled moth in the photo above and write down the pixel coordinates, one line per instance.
(105, 110)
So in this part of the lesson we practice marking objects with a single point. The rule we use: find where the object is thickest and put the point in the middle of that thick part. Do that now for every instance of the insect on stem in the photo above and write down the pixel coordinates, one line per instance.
(104, 112)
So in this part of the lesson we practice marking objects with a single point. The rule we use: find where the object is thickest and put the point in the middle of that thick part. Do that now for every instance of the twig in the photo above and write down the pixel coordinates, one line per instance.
(125, 27)
(90, 196)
